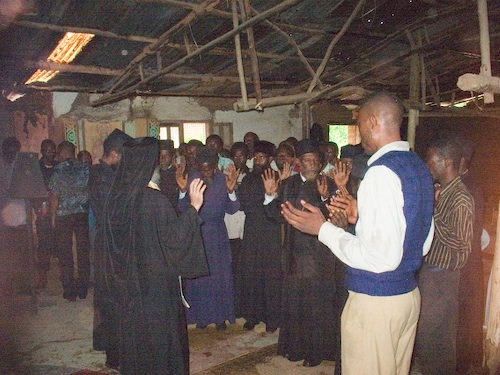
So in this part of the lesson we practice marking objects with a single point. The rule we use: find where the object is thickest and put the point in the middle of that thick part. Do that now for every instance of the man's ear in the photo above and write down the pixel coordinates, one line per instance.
(447, 162)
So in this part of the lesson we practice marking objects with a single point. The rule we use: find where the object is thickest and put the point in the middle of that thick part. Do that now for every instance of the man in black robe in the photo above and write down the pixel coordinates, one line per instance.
(147, 249)
(260, 275)
(102, 175)
(309, 323)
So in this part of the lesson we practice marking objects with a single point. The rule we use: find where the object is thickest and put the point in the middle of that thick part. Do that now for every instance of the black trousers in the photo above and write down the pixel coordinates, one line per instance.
(65, 227)
(47, 245)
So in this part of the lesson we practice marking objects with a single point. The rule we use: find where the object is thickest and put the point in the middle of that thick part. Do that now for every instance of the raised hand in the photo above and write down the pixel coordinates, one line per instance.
(340, 173)
(231, 177)
(270, 183)
(180, 176)
(286, 172)
(196, 190)
(323, 186)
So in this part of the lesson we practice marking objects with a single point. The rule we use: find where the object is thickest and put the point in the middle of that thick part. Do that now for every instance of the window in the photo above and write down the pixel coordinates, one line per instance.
(183, 132)
(343, 134)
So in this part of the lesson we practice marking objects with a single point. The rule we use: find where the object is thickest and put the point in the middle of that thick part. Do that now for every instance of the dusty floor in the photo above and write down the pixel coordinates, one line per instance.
(52, 336)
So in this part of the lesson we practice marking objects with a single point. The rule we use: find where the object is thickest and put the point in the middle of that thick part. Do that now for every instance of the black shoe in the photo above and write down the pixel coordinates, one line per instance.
(82, 293)
(221, 326)
(69, 295)
(292, 358)
(271, 328)
(249, 325)
(201, 326)
(81, 289)
(311, 362)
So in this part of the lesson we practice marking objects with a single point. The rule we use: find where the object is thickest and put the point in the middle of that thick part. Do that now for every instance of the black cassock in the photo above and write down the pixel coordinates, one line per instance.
(259, 264)
(309, 317)
(148, 248)
(105, 333)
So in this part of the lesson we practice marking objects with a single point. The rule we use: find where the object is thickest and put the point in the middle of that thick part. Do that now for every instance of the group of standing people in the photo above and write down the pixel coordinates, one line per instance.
(354, 260)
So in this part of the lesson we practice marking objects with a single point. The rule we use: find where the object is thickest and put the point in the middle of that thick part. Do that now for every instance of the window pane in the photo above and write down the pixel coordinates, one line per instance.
(163, 133)
(338, 134)
(175, 136)
(194, 130)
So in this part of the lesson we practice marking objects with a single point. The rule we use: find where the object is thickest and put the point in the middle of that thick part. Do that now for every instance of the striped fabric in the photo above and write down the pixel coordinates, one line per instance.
(454, 219)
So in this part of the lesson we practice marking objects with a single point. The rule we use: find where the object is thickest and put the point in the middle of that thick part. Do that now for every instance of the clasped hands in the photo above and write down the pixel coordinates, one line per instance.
(342, 210)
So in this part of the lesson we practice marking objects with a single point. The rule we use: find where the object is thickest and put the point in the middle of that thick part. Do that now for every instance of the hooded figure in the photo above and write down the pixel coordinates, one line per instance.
(147, 250)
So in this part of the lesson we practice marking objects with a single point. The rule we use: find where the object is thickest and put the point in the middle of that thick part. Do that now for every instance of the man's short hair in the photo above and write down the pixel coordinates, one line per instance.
(287, 149)
(215, 137)
(47, 143)
(450, 145)
(66, 146)
(239, 146)
(387, 100)
(166, 144)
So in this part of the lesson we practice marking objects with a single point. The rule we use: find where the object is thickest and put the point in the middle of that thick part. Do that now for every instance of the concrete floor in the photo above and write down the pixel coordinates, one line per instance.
(52, 336)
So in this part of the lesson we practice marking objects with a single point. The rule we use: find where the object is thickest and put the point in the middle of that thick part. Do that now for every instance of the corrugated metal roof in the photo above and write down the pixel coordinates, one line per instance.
(138, 40)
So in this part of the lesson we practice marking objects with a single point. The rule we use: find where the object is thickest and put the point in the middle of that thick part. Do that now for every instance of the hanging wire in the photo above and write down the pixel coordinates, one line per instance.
(476, 101)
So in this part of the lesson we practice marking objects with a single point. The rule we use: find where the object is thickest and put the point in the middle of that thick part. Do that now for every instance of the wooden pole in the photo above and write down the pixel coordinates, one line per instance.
(305, 114)
(197, 12)
(245, 12)
(111, 98)
(492, 344)
(299, 98)
(329, 50)
(239, 59)
(484, 35)
(414, 89)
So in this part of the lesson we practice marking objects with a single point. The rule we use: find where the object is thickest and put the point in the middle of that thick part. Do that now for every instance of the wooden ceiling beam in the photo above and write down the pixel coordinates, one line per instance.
(86, 30)
(109, 98)
(332, 44)
(171, 77)
(136, 38)
(200, 10)
(47, 65)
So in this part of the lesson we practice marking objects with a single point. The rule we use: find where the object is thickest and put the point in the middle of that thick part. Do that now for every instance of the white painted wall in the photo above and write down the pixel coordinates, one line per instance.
(63, 102)
(272, 124)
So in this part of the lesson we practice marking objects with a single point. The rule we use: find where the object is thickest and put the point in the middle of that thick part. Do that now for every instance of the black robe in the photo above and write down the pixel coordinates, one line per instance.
(309, 322)
(106, 322)
(147, 248)
(153, 322)
(259, 263)
(169, 187)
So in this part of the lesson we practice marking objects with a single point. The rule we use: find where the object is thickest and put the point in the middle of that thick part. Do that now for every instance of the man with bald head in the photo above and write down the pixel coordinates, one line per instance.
(394, 229)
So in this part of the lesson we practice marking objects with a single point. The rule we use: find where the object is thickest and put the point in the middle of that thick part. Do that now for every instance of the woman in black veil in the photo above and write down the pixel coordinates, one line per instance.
(147, 250)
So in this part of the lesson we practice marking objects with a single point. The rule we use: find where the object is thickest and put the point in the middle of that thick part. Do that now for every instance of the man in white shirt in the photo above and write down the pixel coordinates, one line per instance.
(394, 229)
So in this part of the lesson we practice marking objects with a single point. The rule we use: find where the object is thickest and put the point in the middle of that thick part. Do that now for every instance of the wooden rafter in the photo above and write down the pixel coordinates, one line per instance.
(329, 50)
(246, 11)
(199, 11)
(109, 98)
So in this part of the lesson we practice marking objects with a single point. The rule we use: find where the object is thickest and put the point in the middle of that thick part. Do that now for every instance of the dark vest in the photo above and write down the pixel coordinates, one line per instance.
(418, 194)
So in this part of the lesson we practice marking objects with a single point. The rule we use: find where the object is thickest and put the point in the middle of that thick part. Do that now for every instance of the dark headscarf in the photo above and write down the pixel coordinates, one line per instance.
(122, 205)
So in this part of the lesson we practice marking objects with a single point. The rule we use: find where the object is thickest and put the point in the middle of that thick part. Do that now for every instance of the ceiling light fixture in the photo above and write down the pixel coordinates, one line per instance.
(65, 52)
